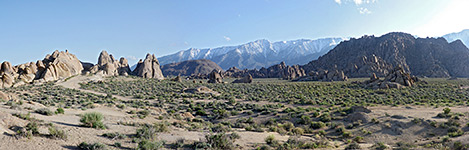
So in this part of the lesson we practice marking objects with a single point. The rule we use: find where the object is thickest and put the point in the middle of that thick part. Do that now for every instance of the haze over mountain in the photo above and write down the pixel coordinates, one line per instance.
(258, 54)
(431, 57)
(463, 36)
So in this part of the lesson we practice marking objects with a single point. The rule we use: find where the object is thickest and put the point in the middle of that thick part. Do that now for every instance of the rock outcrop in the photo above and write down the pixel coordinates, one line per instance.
(215, 77)
(245, 79)
(190, 67)
(397, 78)
(109, 66)
(149, 68)
(58, 65)
(276, 71)
(428, 57)
(324, 75)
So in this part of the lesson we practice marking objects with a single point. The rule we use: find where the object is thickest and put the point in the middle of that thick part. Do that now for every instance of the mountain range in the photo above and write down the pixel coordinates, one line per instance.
(463, 36)
(430, 57)
(259, 53)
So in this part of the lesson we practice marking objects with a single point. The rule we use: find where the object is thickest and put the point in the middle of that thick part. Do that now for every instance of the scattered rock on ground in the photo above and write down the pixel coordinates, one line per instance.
(245, 79)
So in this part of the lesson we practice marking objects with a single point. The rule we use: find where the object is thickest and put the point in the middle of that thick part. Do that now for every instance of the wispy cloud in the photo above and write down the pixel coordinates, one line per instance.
(227, 38)
(358, 3)
(338, 1)
(364, 10)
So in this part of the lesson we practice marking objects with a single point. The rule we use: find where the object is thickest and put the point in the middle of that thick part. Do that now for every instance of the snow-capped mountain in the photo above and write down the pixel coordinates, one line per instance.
(260, 53)
(463, 36)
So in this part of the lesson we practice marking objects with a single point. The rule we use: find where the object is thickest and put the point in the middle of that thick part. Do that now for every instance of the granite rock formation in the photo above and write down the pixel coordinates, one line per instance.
(149, 68)
(109, 66)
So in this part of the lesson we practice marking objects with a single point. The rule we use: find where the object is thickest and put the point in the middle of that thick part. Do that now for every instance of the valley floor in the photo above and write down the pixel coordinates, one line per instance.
(267, 114)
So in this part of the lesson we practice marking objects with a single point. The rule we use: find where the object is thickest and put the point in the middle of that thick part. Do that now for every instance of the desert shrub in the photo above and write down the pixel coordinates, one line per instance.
(94, 146)
(44, 111)
(60, 111)
(298, 131)
(221, 141)
(353, 146)
(93, 120)
(33, 126)
(56, 133)
(115, 135)
(380, 146)
(150, 145)
(317, 125)
(325, 117)
(23, 116)
(358, 139)
(270, 140)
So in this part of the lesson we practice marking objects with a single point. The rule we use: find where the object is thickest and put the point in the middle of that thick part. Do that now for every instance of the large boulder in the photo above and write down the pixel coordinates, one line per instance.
(60, 65)
(149, 68)
(215, 77)
(245, 79)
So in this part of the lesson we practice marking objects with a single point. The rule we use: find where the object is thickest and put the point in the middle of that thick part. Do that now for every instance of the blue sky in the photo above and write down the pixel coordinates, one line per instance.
(31, 29)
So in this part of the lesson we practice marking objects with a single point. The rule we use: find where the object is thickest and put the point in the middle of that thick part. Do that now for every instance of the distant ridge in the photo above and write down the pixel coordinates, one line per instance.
(463, 36)
(258, 54)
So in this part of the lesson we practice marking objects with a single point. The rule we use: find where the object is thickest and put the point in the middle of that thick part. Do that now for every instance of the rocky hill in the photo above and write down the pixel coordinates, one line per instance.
(258, 54)
(430, 57)
(190, 67)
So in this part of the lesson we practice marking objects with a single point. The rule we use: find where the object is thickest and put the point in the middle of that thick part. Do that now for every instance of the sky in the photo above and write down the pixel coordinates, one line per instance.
(31, 29)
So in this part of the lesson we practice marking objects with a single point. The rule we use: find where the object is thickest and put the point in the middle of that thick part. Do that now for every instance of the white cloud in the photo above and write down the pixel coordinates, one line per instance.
(338, 1)
(131, 58)
(364, 10)
(356, 2)
(227, 38)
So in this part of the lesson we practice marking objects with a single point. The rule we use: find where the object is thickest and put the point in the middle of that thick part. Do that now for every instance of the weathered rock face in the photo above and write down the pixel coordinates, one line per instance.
(109, 66)
(397, 78)
(190, 67)
(245, 79)
(430, 57)
(60, 65)
(215, 77)
(149, 68)
(324, 75)
(276, 71)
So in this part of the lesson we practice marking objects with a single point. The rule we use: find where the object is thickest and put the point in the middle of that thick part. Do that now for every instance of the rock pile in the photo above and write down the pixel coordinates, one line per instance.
(149, 68)
(215, 77)
(245, 79)
(108, 66)
(397, 78)
(58, 65)
(324, 75)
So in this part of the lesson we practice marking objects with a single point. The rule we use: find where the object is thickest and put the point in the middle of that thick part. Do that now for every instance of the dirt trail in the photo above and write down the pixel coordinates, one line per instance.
(74, 83)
